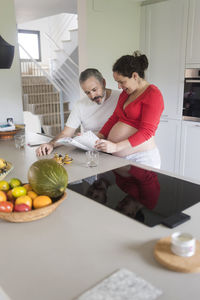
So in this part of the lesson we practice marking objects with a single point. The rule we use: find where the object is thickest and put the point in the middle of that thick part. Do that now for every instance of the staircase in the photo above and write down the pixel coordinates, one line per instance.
(41, 99)
(43, 88)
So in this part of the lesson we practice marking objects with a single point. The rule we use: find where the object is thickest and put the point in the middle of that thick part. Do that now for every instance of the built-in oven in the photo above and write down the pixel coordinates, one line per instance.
(191, 102)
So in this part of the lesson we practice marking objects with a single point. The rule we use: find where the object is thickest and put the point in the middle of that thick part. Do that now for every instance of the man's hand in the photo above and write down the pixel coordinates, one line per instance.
(47, 148)
(106, 146)
(44, 149)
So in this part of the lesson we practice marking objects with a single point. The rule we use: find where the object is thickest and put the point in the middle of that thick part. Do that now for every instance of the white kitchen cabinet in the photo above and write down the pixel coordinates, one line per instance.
(190, 150)
(193, 40)
(163, 40)
(168, 141)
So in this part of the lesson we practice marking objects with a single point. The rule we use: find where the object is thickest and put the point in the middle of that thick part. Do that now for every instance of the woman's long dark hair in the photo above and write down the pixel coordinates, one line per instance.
(128, 64)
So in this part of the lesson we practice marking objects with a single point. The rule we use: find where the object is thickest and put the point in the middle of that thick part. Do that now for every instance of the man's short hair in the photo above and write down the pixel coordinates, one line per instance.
(90, 73)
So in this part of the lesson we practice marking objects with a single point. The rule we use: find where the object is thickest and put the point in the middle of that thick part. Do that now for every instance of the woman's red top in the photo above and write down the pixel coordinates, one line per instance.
(143, 114)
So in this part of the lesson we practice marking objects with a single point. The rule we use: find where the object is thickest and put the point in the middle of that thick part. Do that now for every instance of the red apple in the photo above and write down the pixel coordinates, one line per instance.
(22, 207)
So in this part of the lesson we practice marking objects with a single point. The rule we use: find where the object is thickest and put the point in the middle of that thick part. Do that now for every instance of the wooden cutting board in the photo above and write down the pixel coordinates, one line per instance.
(168, 259)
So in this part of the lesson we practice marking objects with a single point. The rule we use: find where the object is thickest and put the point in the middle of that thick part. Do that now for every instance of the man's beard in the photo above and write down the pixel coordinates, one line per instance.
(100, 97)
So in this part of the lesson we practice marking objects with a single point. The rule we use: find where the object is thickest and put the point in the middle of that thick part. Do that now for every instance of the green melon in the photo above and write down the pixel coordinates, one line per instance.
(47, 177)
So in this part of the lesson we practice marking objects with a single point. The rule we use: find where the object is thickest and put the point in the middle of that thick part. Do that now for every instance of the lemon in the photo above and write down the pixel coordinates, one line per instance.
(4, 185)
(14, 182)
(19, 191)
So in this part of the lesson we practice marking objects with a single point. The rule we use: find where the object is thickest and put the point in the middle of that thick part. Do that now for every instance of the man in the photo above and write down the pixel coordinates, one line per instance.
(91, 112)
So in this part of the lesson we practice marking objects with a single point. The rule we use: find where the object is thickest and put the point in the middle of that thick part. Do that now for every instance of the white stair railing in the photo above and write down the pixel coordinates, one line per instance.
(63, 24)
(62, 76)
(62, 50)
(32, 67)
(67, 74)
(67, 69)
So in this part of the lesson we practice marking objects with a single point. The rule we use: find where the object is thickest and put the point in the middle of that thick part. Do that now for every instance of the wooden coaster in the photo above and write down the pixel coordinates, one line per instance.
(168, 259)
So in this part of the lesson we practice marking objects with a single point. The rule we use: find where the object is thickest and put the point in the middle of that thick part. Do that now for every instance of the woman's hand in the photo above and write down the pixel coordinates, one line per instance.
(106, 146)
(110, 147)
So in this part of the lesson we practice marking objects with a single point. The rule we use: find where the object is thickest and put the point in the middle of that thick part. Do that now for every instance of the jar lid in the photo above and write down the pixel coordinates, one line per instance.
(182, 238)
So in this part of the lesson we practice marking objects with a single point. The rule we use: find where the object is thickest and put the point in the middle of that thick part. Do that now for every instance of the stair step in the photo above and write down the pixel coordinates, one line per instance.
(41, 108)
(37, 88)
(66, 41)
(53, 118)
(32, 79)
(73, 29)
(70, 44)
(42, 98)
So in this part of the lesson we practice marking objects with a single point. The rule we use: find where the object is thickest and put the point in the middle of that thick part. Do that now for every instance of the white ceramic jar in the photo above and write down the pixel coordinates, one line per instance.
(183, 244)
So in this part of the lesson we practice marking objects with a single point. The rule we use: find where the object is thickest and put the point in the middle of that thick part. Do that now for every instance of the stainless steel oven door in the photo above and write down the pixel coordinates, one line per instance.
(191, 102)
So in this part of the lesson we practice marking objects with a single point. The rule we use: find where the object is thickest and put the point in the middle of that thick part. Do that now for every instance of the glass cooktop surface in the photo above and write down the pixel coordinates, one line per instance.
(146, 196)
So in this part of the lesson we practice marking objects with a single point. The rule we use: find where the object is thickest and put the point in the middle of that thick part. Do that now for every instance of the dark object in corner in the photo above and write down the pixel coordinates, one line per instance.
(6, 54)
(176, 220)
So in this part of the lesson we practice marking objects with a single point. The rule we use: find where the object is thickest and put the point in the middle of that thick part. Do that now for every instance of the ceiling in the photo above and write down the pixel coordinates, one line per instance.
(36, 9)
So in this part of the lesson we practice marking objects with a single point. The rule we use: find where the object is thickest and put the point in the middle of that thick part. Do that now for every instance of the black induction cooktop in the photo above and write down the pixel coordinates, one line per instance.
(147, 196)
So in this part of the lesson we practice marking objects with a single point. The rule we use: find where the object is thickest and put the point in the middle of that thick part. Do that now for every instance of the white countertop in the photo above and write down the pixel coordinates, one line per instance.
(82, 242)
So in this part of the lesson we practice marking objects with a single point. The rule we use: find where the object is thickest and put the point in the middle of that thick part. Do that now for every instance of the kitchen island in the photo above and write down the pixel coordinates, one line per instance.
(82, 242)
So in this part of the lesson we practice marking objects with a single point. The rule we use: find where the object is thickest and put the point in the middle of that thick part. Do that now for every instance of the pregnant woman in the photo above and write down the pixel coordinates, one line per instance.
(130, 131)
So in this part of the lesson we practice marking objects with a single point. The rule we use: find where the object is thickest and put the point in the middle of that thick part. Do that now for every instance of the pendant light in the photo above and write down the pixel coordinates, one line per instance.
(6, 54)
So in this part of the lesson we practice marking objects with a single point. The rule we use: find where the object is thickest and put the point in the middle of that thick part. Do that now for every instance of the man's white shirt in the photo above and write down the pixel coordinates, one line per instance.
(90, 115)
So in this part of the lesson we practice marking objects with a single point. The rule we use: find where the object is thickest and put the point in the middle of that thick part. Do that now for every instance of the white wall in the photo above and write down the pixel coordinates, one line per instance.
(10, 80)
(53, 26)
(108, 29)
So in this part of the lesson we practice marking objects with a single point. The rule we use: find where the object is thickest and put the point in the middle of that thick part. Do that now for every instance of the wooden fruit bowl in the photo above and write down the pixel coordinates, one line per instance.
(35, 214)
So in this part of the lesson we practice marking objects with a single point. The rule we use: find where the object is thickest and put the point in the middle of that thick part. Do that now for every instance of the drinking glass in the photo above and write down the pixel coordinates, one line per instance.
(19, 141)
(92, 158)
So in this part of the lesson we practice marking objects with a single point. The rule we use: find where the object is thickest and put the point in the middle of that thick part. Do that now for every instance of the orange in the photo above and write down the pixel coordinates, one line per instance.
(4, 185)
(19, 191)
(32, 194)
(27, 187)
(41, 201)
(3, 196)
(24, 199)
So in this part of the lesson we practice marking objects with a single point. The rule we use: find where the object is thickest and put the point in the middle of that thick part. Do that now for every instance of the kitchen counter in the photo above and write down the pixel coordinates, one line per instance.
(82, 242)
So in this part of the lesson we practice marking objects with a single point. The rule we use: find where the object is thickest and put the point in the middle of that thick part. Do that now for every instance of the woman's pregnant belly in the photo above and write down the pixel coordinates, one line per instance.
(122, 131)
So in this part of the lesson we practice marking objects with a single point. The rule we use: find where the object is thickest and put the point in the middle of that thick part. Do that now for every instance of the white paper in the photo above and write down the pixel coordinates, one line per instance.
(86, 141)
(122, 285)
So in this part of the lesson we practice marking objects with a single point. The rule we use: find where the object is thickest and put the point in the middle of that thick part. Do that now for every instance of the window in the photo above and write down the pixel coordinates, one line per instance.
(30, 41)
